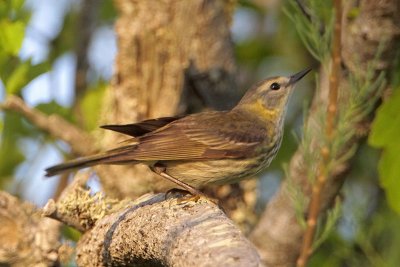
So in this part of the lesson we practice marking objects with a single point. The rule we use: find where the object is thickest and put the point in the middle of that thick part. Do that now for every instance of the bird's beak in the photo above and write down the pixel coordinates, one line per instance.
(296, 77)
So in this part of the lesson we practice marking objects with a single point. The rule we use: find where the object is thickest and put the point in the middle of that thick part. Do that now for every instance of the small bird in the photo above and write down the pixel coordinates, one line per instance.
(213, 147)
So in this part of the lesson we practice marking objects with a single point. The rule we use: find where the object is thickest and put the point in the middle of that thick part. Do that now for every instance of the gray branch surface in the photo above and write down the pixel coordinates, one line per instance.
(158, 232)
(150, 231)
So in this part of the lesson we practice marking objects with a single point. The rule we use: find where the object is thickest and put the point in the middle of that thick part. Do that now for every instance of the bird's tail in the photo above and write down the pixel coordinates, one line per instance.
(116, 156)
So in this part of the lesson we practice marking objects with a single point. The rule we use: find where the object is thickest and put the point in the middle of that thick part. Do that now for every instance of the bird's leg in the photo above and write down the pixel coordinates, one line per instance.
(196, 194)
(160, 170)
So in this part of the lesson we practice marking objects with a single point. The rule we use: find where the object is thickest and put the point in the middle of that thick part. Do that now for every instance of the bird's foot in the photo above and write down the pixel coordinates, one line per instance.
(197, 197)
(185, 196)
(176, 193)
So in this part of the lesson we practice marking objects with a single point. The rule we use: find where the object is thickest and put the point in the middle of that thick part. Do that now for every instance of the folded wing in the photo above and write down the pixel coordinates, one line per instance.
(211, 135)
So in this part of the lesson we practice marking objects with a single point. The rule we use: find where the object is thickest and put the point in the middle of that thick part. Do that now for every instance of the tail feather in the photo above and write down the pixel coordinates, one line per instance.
(83, 163)
(74, 164)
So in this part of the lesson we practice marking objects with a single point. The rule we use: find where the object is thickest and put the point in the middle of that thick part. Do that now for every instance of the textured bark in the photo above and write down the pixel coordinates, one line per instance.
(378, 22)
(26, 238)
(278, 235)
(150, 231)
(154, 232)
(157, 42)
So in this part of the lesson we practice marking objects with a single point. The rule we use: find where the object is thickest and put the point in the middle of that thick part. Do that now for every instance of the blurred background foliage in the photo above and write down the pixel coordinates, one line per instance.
(38, 62)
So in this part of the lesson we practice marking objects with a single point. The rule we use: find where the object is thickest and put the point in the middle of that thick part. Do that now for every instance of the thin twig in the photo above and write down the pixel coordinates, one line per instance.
(81, 143)
(323, 174)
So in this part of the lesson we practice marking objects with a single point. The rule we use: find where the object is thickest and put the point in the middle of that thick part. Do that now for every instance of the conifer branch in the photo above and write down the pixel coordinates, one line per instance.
(323, 173)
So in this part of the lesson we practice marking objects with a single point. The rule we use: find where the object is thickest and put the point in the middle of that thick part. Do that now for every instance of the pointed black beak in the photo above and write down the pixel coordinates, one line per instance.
(297, 77)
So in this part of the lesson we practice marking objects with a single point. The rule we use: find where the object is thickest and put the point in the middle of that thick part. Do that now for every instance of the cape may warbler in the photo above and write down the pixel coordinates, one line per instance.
(215, 147)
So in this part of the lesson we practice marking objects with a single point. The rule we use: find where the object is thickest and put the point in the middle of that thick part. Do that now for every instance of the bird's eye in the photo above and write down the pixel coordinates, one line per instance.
(275, 86)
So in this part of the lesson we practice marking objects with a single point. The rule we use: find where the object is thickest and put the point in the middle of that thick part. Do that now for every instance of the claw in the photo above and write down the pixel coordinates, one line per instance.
(184, 196)
(176, 193)
(197, 197)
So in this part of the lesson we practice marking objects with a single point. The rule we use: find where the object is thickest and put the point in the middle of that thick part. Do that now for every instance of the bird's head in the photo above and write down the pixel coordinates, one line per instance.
(269, 97)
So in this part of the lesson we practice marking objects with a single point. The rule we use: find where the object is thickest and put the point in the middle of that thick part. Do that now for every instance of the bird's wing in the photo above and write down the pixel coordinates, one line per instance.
(211, 135)
(141, 128)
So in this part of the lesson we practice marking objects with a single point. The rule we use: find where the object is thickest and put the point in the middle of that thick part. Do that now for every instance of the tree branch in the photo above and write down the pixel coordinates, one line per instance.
(78, 208)
(81, 143)
(150, 231)
(166, 233)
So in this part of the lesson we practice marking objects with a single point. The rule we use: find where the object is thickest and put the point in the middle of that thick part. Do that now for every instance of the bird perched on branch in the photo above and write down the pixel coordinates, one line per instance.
(216, 147)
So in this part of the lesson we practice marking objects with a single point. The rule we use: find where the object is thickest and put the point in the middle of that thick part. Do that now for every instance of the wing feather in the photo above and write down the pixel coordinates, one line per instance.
(141, 128)
(202, 138)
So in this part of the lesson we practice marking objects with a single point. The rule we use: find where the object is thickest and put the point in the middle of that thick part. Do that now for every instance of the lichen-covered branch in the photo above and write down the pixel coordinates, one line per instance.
(80, 209)
(150, 230)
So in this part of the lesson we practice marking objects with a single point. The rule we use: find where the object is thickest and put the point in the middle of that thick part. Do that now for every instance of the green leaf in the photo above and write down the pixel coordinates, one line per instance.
(253, 51)
(55, 108)
(91, 105)
(386, 126)
(11, 36)
(17, 78)
(389, 170)
(10, 154)
(107, 11)
(66, 39)
(384, 134)
(10, 8)
(71, 233)
(252, 5)
(10, 157)
(38, 69)
(17, 4)
(23, 74)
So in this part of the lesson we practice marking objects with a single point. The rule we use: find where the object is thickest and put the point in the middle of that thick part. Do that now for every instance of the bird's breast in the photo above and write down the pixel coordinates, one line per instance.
(221, 171)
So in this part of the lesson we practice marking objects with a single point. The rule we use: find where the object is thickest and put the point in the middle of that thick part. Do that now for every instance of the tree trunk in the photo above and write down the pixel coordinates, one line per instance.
(167, 50)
